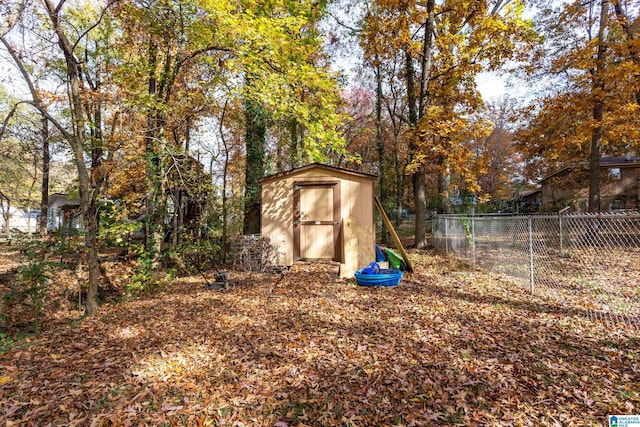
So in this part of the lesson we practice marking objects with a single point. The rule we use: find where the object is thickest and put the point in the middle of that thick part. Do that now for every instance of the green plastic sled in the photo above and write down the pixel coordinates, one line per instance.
(395, 260)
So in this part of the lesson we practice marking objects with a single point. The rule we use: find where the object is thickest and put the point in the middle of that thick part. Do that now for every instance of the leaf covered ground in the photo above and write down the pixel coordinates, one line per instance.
(446, 347)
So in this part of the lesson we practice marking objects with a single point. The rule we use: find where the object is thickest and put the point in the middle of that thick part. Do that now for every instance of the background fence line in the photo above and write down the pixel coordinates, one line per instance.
(588, 262)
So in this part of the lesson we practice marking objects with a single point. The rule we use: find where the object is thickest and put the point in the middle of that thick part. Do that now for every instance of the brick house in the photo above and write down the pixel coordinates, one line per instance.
(569, 186)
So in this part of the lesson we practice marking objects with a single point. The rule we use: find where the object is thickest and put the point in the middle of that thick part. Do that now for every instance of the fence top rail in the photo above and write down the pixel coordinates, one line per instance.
(576, 215)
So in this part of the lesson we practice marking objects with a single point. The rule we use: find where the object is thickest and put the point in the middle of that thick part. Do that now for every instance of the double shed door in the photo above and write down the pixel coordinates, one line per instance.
(316, 216)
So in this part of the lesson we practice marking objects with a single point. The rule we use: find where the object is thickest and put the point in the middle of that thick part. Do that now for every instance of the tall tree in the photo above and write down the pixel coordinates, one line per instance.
(591, 55)
(255, 143)
(166, 45)
(445, 46)
(57, 21)
(598, 88)
(496, 158)
(287, 81)
(21, 163)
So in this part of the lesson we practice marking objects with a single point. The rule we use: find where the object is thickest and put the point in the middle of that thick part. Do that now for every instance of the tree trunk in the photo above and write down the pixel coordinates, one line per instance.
(5, 212)
(427, 55)
(444, 182)
(598, 92)
(416, 111)
(419, 196)
(77, 142)
(151, 163)
(399, 184)
(419, 180)
(594, 165)
(91, 228)
(187, 134)
(384, 235)
(225, 202)
(46, 162)
(255, 134)
(182, 203)
(154, 223)
(182, 196)
(175, 196)
(294, 149)
(76, 138)
(398, 165)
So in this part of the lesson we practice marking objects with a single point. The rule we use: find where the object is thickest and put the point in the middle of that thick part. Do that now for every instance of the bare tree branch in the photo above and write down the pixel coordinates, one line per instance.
(36, 100)
(10, 16)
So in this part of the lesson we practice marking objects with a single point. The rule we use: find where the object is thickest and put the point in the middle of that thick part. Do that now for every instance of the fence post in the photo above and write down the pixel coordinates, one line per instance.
(530, 255)
(561, 240)
(446, 235)
(473, 240)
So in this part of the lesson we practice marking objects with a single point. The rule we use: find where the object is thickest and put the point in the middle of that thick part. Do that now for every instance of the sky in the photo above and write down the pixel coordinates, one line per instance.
(491, 86)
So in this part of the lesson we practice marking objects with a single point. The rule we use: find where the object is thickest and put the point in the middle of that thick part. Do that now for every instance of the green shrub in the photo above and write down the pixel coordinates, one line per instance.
(118, 232)
(32, 277)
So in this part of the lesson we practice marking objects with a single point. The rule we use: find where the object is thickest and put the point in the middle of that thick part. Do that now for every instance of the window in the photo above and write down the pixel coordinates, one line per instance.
(614, 173)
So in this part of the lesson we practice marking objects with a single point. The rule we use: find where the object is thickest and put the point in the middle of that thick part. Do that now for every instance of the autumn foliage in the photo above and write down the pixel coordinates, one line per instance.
(446, 347)
(171, 111)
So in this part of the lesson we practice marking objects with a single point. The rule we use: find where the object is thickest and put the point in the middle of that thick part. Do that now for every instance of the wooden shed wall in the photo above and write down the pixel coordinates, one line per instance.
(357, 216)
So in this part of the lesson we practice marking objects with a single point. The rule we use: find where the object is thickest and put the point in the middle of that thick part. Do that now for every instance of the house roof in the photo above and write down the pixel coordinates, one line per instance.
(62, 200)
(317, 166)
(628, 161)
(530, 192)
(605, 162)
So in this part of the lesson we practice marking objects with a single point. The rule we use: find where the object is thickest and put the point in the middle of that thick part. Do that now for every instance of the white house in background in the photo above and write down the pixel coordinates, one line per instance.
(20, 219)
(63, 212)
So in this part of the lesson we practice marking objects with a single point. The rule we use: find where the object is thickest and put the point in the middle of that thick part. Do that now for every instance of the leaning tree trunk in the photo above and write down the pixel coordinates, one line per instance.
(77, 141)
(46, 161)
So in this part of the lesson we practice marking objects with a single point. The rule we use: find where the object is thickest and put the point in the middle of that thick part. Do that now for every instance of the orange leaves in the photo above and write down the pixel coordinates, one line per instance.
(588, 72)
(440, 349)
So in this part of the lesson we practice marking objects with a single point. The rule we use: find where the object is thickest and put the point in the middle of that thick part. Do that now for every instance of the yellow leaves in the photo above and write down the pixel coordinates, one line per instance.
(564, 125)
(484, 198)
(445, 135)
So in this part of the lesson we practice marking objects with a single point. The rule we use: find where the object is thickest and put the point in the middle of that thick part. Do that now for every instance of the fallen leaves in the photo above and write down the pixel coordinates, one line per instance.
(439, 349)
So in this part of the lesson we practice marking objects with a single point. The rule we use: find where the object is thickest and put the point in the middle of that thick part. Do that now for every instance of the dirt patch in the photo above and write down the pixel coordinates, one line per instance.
(10, 258)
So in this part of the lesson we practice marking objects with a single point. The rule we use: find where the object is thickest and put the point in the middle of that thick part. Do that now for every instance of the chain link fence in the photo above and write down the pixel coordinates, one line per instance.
(251, 252)
(590, 263)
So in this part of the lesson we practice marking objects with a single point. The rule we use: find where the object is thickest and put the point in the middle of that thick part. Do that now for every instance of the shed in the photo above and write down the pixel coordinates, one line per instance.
(64, 212)
(320, 212)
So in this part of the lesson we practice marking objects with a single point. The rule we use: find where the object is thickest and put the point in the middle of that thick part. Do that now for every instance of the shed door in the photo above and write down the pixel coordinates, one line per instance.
(316, 220)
